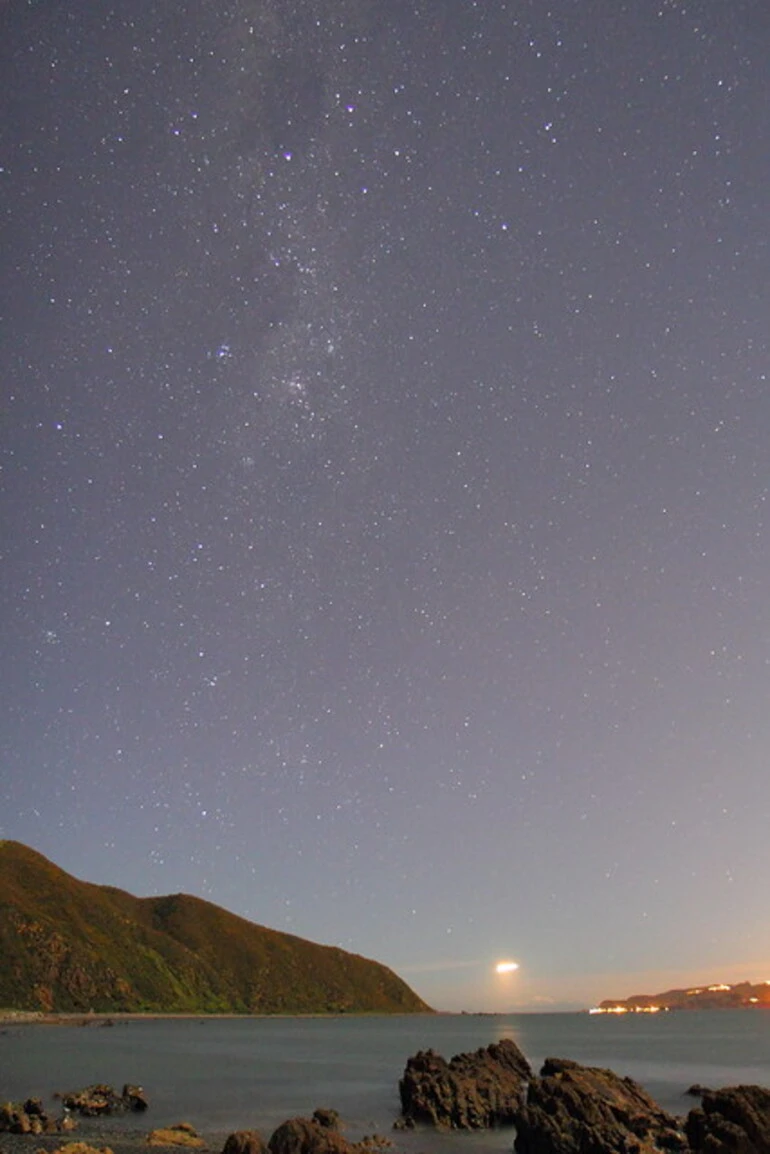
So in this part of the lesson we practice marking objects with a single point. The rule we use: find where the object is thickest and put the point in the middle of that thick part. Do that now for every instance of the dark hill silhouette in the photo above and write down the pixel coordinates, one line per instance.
(70, 946)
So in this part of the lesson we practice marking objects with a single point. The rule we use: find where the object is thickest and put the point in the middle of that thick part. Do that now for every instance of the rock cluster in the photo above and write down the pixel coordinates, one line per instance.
(471, 1092)
(101, 1099)
(573, 1109)
(317, 1135)
(736, 1119)
(29, 1117)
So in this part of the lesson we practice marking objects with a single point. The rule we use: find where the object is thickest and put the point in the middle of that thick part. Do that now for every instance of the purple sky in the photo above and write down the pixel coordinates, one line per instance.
(385, 448)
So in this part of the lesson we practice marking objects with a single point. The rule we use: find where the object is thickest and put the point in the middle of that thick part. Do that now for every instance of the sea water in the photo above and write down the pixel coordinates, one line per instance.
(226, 1074)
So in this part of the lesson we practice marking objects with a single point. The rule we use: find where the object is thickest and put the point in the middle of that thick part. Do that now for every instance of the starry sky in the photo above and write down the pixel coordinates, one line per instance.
(385, 473)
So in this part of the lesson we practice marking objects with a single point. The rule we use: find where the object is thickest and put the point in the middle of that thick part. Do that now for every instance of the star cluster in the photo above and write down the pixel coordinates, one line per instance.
(384, 458)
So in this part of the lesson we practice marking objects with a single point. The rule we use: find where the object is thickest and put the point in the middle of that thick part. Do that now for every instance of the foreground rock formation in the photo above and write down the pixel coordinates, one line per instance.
(471, 1092)
(573, 1109)
(736, 1119)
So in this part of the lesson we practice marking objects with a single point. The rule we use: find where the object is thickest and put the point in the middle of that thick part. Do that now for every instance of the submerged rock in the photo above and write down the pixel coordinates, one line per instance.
(574, 1109)
(735, 1119)
(471, 1092)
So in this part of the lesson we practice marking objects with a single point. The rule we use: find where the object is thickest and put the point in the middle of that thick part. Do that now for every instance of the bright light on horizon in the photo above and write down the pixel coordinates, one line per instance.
(506, 967)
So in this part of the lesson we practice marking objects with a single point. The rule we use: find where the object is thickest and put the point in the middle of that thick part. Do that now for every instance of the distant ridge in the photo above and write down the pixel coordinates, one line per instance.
(717, 996)
(69, 946)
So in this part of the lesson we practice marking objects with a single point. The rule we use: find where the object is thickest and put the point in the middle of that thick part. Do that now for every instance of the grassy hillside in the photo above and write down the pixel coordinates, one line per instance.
(67, 945)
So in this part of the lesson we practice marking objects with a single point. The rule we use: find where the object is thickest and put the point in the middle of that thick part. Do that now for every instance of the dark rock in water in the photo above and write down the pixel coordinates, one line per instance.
(134, 1098)
(244, 1142)
(326, 1117)
(735, 1119)
(696, 1090)
(13, 1119)
(307, 1136)
(471, 1092)
(574, 1109)
(31, 1118)
(92, 1100)
(100, 1099)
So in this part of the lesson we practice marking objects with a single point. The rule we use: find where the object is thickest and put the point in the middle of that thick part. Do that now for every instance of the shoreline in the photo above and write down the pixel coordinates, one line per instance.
(118, 1141)
(44, 1018)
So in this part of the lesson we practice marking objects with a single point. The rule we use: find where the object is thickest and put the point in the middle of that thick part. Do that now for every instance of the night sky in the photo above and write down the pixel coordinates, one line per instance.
(386, 469)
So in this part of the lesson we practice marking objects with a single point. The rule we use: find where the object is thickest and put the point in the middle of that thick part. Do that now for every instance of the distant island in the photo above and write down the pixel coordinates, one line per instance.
(72, 947)
(719, 996)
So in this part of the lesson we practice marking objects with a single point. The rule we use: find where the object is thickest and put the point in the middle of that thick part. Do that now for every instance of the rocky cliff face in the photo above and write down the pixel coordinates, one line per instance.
(68, 945)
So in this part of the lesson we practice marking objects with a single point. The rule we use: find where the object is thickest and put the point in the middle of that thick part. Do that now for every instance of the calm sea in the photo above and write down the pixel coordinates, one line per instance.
(255, 1072)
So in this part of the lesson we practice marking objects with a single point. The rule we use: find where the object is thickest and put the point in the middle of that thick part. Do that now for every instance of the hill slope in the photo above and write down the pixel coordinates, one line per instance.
(67, 945)
(719, 996)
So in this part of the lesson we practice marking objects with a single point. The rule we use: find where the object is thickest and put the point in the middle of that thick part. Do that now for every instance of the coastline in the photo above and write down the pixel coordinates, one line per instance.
(119, 1141)
(123, 1017)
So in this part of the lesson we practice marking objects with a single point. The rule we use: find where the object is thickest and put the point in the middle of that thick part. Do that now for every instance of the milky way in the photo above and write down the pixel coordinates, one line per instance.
(385, 475)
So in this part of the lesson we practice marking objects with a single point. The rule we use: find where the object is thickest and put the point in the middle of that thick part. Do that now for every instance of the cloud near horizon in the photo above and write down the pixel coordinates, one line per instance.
(440, 966)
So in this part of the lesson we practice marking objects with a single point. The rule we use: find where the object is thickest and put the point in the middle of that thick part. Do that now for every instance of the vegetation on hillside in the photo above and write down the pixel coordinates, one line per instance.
(69, 946)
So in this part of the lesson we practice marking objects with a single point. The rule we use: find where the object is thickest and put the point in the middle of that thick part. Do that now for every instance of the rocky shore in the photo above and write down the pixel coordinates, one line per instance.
(564, 1108)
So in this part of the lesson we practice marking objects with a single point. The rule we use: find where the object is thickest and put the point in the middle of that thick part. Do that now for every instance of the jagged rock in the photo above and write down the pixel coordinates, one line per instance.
(181, 1134)
(470, 1092)
(134, 1098)
(14, 1119)
(92, 1101)
(103, 1099)
(326, 1117)
(735, 1119)
(307, 1136)
(244, 1142)
(574, 1109)
(31, 1118)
